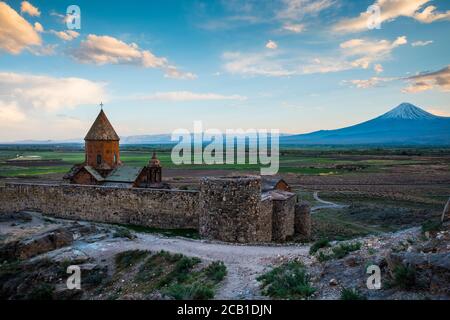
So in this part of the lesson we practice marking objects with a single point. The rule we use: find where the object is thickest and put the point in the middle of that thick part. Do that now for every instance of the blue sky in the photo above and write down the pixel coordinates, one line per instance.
(293, 65)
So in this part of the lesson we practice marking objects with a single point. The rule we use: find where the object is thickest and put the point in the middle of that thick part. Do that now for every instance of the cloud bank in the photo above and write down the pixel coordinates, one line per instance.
(102, 50)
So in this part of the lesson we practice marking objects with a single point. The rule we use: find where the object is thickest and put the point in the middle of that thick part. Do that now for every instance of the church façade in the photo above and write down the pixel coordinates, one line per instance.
(102, 164)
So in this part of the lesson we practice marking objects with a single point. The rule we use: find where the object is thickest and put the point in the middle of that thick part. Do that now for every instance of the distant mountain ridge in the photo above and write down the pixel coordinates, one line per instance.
(406, 124)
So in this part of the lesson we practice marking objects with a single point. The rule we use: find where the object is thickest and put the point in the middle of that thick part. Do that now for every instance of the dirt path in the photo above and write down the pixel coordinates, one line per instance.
(326, 204)
(244, 262)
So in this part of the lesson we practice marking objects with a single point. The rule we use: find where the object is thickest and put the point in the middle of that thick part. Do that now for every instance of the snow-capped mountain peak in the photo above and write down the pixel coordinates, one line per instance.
(407, 111)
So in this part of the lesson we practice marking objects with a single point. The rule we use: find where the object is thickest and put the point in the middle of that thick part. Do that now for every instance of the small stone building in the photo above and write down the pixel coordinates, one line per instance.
(102, 165)
(269, 183)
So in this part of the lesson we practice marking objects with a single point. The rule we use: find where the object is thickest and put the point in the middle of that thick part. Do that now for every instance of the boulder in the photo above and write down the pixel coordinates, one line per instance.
(37, 244)
(432, 270)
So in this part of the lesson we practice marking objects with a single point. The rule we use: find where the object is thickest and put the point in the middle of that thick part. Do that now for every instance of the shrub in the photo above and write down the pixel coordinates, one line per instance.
(216, 271)
(351, 294)
(339, 251)
(322, 257)
(196, 291)
(288, 281)
(431, 226)
(42, 291)
(322, 243)
(343, 249)
(129, 258)
(404, 277)
(123, 233)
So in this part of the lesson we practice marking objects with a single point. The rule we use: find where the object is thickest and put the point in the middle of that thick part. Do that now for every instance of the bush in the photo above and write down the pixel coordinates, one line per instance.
(339, 251)
(404, 277)
(351, 294)
(216, 271)
(123, 233)
(343, 249)
(196, 291)
(288, 281)
(43, 291)
(319, 244)
(129, 258)
(431, 226)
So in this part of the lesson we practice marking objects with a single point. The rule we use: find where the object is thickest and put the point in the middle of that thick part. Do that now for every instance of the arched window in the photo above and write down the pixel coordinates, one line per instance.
(99, 159)
(115, 158)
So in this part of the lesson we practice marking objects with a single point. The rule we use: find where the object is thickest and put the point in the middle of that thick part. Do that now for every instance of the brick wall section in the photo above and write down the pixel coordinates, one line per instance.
(230, 210)
(283, 219)
(146, 207)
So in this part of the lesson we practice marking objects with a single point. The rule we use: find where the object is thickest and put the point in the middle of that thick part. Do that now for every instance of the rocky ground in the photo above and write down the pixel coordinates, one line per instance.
(35, 251)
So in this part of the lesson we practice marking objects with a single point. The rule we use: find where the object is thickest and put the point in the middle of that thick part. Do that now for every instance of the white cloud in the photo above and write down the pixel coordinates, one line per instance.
(26, 7)
(271, 44)
(389, 11)
(353, 54)
(439, 80)
(294, 27)
(190, 96)
(421, 43)
(9, 112)
(369, 51)
(368, 83)
(16, 33)
(429, 15)
(439, 112)
(67, 35)
(62, 18)
(297, 9)
(30, 93)
(255, 64)
(38, 27)
(174, 73)
(46, 50)
(378, 68)
(109, 50)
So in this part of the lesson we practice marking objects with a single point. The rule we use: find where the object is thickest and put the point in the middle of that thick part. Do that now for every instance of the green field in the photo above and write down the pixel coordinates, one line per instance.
(299, 161)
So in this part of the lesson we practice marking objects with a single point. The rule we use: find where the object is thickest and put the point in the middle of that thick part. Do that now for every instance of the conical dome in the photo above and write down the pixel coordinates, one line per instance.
(102, 129)
(154, 161)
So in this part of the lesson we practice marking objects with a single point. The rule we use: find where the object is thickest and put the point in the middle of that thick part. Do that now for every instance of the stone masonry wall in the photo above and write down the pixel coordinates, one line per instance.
(147, 207)
(302, 222)
(283, 219)
(231, 210)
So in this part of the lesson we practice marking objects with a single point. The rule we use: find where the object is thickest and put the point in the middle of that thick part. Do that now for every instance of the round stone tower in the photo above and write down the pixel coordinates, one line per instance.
(102, 145)
(230, 210)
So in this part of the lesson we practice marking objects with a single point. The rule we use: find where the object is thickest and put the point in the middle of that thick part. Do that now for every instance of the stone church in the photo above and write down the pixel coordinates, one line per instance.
(102, 164)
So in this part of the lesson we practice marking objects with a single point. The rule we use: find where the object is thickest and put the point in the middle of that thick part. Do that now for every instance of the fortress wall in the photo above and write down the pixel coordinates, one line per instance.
(146, 207)
(283, 219)
(231, 210)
